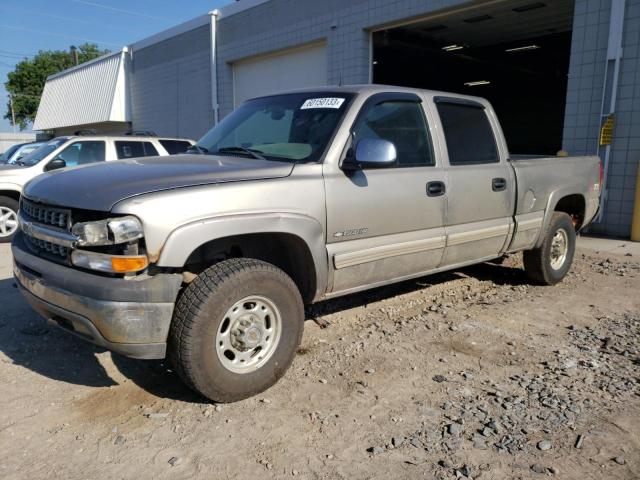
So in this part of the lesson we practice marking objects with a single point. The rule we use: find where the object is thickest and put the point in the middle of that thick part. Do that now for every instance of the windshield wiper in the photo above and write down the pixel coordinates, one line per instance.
(197, 149)
(238, 149)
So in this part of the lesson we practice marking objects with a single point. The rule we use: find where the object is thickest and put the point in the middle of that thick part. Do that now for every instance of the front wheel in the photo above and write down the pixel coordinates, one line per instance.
(236, 329)
(549, 263)
(8, 219)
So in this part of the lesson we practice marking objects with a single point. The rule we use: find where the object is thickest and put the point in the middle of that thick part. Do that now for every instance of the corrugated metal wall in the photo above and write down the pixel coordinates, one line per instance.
(81, 95)
(171, 85)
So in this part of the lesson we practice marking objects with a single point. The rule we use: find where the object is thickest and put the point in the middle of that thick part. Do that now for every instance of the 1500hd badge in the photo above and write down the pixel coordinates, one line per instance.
(351, 233)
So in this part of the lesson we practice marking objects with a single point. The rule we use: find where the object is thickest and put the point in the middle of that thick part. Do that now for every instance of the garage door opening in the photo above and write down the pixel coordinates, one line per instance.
(515, 54)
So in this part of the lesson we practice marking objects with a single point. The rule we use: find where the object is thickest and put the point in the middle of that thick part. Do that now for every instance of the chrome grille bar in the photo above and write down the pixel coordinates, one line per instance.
(47, 234)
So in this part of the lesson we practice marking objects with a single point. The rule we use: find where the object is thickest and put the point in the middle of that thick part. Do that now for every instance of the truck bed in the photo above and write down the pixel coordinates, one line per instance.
(540, 178)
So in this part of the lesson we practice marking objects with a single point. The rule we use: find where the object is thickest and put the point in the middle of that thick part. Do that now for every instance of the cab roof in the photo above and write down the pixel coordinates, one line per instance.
(376, 88)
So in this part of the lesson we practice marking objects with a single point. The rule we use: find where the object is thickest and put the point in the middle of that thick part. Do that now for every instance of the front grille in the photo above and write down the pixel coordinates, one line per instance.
(40, 246)
(56, 217)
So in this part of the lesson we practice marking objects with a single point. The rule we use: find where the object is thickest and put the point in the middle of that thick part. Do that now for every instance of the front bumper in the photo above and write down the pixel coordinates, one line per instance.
(130, 317)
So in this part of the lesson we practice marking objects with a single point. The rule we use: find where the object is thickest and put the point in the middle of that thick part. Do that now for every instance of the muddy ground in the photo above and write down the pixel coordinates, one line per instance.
(471, 374)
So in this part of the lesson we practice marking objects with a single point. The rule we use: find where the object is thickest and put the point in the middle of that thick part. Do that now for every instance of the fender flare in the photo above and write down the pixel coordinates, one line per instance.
(554, 198)
(11, 187)
(183, 241)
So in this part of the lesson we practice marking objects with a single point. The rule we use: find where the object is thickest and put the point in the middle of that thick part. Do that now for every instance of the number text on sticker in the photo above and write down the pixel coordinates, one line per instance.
(322, 103)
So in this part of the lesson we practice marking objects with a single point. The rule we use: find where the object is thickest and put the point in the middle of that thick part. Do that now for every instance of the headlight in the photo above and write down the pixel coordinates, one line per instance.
(108, 232)
(109, 263)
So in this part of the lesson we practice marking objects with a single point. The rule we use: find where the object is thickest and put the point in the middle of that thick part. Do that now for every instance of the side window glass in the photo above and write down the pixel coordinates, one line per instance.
(82, 153)
(174, 147)
(129, 149)
(468, 133)
(403, 124)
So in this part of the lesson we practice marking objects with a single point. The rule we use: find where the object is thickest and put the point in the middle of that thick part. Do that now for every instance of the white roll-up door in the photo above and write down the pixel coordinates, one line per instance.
(297, 68)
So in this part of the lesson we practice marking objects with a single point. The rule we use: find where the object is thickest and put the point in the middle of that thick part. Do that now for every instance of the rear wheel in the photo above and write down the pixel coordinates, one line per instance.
(8, 219)
(236, 329)
(550, 263)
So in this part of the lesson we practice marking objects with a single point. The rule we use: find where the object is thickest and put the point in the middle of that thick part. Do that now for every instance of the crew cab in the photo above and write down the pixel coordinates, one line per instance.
(295, 198)
(71, 151)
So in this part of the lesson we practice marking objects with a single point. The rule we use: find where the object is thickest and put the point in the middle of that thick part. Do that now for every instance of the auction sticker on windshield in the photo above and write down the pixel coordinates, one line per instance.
(322, 103)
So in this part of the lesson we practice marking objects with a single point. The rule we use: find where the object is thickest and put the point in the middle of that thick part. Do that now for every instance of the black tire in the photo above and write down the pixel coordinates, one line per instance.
(538, 262)
(202, 308)
(10, 203)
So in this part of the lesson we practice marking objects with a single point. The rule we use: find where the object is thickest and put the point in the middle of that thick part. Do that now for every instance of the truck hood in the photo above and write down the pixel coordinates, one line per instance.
(100, 186)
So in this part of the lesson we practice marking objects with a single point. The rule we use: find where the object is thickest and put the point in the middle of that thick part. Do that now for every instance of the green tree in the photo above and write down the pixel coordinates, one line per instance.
(26, 82)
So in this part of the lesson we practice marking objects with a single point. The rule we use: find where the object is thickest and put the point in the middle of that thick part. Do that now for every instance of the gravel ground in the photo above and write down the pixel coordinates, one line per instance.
(468, 374)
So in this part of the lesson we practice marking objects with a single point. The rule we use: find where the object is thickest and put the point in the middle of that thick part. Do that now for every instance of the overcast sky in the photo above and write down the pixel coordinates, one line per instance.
(27, 26)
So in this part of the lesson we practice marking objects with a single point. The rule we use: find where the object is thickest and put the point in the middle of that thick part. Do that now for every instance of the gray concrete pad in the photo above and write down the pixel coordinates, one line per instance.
(609, 245)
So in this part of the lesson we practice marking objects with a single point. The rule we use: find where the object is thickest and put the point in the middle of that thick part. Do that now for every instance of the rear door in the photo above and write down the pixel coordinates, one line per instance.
(381, 223)
(480, 183)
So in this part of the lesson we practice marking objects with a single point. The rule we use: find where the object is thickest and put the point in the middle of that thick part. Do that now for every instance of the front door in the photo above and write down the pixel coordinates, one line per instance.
(384, 224)
(481, 185)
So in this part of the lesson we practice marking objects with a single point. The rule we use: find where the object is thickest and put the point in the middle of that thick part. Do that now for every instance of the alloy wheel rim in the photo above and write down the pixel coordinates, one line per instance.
(8, 222)
(249, 334)
(559, 249)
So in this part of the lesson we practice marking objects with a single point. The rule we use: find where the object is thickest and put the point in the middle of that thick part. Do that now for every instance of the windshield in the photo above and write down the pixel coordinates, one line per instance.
(9, 153)
(40, 153)
(294, 127)
(23, 152)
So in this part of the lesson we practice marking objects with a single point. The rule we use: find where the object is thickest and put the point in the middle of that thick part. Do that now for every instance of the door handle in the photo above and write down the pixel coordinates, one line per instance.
(498, 184)
(435, 189)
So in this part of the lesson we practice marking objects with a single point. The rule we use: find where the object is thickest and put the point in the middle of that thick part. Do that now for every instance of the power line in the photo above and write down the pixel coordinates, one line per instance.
(12, 57)
(71, 37)
(60, 17)
(50, 15)
(120, 10)
(17, 53)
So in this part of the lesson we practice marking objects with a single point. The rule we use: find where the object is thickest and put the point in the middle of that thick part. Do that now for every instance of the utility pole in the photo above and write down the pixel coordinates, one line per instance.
(74, 54)
(13, 113)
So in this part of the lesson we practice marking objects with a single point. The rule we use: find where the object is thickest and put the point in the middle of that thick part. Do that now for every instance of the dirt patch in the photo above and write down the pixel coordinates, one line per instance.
(469, 374)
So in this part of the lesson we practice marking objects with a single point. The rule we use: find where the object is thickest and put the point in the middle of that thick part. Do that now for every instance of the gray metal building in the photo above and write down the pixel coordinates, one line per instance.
(555, 70)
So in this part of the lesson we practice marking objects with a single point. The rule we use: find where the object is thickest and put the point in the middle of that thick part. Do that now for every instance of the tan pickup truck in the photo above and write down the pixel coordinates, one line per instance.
(210, 257)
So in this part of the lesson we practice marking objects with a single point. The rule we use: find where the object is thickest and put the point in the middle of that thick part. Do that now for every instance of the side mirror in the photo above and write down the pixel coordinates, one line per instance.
(371, 153)
(55, 164)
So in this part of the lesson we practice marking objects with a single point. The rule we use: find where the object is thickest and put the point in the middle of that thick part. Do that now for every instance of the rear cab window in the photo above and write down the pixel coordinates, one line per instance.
(174, 147)
(134, 149)
(469, 137)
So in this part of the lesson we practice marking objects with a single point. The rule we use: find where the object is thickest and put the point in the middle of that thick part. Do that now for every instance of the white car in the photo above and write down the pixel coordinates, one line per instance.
(73, 151)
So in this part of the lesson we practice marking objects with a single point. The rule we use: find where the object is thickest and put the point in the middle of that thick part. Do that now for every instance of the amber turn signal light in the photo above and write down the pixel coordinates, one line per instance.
(129, 264)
